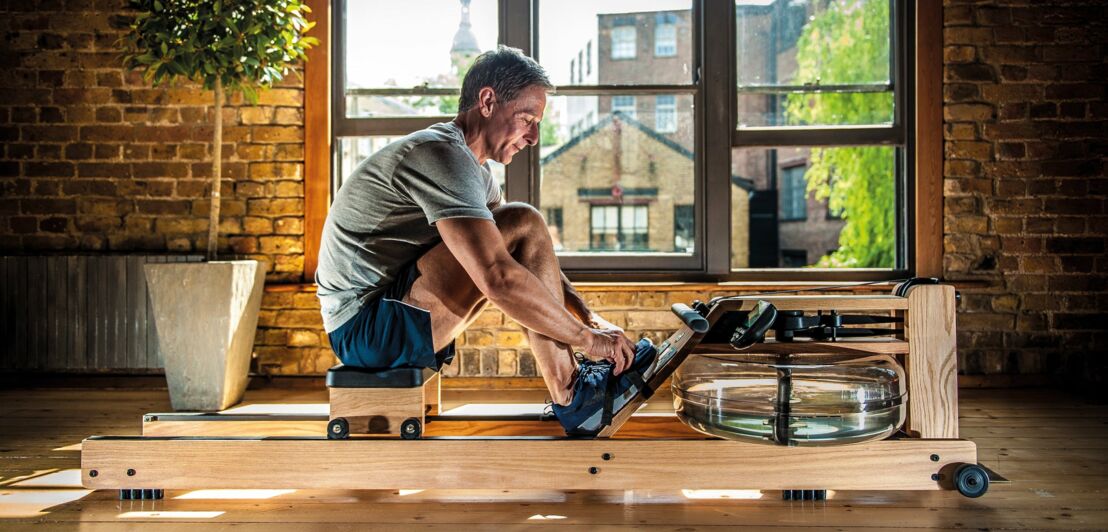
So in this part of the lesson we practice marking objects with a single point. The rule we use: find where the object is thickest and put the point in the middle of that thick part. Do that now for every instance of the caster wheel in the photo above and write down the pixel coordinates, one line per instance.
(338, 429)
(804, 495)
(141, 495)
(411, 429)
(971, 480)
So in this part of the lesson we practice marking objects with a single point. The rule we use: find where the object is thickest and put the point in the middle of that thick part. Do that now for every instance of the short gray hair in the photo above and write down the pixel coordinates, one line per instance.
(506, 70)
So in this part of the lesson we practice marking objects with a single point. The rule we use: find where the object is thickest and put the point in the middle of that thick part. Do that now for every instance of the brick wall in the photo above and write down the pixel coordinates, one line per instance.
(1025, 123)
(94, 160)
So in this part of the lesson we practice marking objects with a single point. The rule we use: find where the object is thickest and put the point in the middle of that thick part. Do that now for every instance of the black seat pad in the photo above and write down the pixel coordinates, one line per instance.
(342, 376)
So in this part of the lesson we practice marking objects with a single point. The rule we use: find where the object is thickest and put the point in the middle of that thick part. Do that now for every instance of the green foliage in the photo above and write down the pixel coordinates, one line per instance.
(244, 44)
(848, 43)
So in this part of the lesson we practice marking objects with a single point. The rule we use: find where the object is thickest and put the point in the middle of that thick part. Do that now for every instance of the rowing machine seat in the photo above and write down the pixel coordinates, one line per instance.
(341, 376)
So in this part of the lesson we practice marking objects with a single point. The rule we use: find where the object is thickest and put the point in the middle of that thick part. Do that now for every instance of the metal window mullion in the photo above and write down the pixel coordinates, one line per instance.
(716, 75)
(818, 136)
(390, 126)
(516, 25)
(606, 90)
(780, 89)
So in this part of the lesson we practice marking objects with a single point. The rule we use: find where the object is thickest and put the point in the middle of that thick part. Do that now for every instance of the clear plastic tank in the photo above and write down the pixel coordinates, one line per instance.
(792, 399)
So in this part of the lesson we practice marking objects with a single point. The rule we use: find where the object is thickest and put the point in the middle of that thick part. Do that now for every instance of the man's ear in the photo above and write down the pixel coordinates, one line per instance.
(486, 99)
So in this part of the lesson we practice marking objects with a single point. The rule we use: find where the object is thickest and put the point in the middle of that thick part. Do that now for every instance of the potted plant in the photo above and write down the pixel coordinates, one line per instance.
(206, 313)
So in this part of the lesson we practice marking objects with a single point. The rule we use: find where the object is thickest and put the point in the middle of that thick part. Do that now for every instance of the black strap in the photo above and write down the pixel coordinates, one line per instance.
(609, 401)
(636, 378)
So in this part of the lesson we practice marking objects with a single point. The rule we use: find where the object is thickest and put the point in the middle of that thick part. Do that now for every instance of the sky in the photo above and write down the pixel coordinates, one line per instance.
(410, 41)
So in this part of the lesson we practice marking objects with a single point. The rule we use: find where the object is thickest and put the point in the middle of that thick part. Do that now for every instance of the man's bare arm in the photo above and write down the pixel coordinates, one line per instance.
(575, 304)
(480, 248)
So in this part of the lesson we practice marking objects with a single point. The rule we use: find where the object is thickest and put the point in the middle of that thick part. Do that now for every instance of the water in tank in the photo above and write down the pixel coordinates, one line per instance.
(792, 399)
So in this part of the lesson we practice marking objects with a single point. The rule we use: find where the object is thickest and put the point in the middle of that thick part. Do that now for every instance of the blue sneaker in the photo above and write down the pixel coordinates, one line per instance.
(598, 395)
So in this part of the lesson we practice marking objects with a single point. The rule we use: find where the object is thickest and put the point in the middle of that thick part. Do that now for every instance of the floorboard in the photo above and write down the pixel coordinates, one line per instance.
(1053, 446)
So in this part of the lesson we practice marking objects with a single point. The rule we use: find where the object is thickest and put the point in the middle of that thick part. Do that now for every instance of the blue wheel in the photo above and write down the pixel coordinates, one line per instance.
(971, 480)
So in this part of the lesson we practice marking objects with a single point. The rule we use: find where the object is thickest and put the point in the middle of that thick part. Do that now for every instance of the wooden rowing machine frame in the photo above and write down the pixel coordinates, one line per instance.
(637, 451)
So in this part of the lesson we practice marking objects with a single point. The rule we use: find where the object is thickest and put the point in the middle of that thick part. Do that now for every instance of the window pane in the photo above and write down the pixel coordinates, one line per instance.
(636, 41)
(787, 47)
(616, 178)
(781, 198)
(354, 150)
(437, 51)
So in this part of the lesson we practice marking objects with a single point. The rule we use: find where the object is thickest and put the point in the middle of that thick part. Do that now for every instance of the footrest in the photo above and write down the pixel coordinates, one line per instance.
(342, 376)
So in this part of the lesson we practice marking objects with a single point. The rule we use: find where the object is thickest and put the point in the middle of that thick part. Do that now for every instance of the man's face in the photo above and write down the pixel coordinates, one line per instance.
(514, 125)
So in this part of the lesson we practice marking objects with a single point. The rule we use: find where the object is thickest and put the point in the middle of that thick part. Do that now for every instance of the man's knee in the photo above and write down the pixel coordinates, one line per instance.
(517, 220)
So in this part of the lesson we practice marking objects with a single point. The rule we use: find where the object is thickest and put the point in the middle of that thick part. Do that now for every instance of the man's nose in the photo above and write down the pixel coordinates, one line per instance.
(532, 136)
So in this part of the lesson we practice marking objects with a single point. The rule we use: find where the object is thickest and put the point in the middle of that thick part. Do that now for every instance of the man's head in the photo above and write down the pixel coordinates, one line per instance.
(504, 96)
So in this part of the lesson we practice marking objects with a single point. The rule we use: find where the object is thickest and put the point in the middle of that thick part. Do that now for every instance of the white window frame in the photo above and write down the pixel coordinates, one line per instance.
(624, 43)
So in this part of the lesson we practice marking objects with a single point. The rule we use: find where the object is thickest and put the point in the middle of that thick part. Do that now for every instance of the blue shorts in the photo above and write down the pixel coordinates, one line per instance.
(388, 333)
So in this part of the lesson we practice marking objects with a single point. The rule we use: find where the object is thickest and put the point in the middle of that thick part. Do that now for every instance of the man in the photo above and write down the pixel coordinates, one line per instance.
(419, 240)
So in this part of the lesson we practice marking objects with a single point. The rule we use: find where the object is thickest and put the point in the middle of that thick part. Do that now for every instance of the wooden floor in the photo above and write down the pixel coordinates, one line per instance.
(1054, 448)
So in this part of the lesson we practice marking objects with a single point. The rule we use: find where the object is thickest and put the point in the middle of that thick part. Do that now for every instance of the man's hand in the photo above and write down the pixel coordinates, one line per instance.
(611, 345)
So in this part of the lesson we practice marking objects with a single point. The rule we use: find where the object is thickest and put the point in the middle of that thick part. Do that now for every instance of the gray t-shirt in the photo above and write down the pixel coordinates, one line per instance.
(382, 218)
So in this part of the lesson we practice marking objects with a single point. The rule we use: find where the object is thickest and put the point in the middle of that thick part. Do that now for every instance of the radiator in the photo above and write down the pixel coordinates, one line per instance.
(78, 313)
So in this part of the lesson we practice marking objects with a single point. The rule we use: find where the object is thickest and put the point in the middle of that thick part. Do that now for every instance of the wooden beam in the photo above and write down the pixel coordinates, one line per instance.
(929, 140)
(317, 134)
(813, 303)
(933, 362)
(134, 462)
(773, 347)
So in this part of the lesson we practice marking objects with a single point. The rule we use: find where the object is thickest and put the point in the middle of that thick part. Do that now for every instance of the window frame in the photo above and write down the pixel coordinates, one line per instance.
(634, 52)
(917, 29)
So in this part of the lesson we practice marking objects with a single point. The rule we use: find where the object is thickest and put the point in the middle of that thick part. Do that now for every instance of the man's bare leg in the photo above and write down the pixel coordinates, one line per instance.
(446, 290)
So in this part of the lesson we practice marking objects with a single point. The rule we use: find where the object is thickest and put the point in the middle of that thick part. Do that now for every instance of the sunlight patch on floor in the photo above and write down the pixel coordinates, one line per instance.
(722, 494)
(299, 409)
(540, 517)
(34, 503)
(170, 515)
(65, 478)
(234, 494)
(70, 447)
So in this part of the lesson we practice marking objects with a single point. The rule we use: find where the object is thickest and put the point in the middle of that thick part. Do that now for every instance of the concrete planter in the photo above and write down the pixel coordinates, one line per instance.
(206, 314)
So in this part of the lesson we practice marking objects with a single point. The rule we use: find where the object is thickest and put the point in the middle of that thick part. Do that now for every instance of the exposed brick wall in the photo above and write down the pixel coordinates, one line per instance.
(95, 160)
(1025, 123)
(291, 341)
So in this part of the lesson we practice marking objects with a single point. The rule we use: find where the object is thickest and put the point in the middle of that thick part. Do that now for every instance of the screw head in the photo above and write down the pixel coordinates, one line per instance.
(606, 456)
(934, 458)
(93, 473)
(936, 477)
(594, 470)
(130, 472)
(336, 428)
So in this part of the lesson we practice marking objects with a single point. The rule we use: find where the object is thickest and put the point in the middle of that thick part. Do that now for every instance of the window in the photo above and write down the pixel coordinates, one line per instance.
(625, 105)
(383, 97)
(821, 81)
(684, 228)
(623, 42)
(794, 194)
(680, 186)
(588, 58)
(665, 35)
(665, 113)
(618, 227)
(554, 224)
(794, 258)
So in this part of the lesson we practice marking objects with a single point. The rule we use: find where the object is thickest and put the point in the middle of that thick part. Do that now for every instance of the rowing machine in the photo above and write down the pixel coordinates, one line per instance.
(635, 452)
